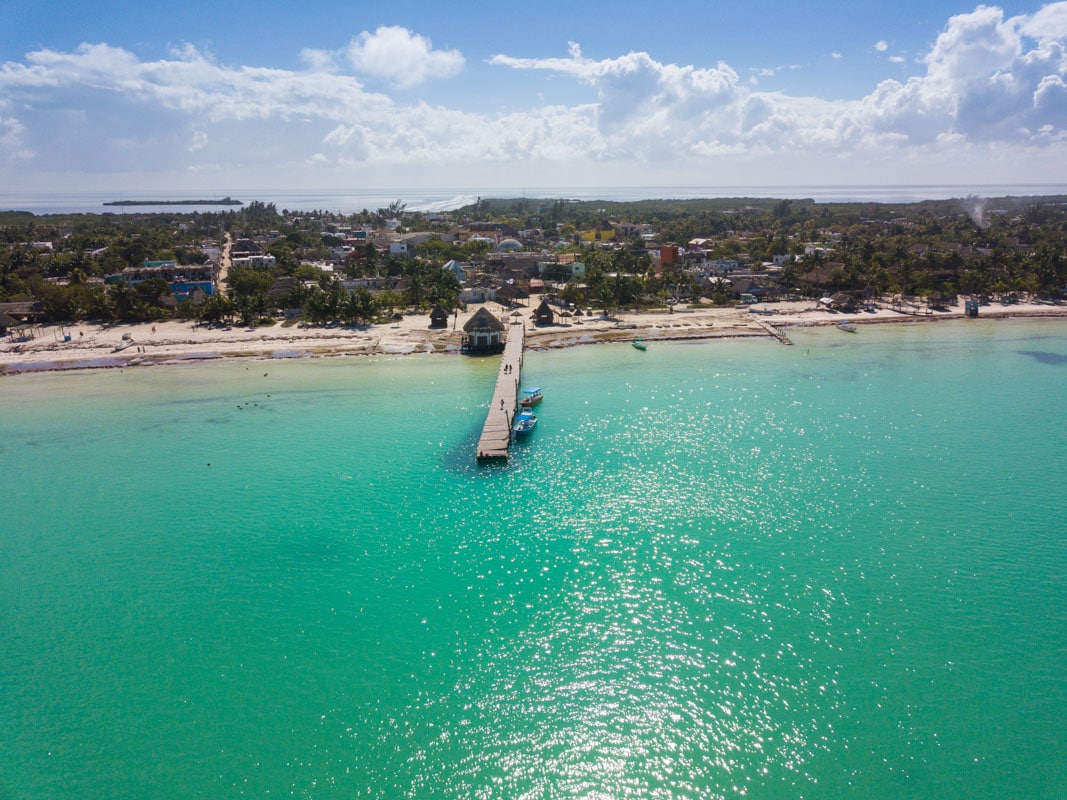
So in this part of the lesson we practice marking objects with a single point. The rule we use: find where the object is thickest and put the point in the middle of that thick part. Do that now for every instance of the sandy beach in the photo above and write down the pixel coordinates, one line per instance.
(91, 346)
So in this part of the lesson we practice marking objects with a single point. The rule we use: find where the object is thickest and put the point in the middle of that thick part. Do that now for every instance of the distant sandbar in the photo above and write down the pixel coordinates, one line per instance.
(226, 201)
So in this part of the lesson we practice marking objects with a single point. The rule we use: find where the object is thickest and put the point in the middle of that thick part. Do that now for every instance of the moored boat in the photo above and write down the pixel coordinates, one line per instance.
(639, 343)
(532, 397)
(524, 422)
(847, 327)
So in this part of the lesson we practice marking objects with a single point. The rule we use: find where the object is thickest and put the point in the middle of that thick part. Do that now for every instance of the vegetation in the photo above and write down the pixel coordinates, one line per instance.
(970, 246)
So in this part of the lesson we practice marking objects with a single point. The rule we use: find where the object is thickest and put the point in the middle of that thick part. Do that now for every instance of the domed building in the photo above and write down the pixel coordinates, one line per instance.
(509, 246)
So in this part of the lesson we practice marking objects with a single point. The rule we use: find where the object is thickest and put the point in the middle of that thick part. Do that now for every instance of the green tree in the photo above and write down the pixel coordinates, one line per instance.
(359, 307)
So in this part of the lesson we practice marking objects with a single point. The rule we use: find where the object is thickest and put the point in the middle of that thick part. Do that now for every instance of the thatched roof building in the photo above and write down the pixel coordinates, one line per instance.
(6, 323)
(483, 321)
(509, 293)
(438, 317)
(24, 311)
(484, 333)
(543, 314)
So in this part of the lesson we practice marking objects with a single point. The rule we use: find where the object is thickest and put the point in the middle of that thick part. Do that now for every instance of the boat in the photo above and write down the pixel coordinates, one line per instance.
(524, 422)
(532, 398)
(847, 327)
(639, 343)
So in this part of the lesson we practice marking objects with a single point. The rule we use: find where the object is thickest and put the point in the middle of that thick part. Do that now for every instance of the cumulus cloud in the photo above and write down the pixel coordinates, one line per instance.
(985, 80)
(981, 84)
(881, 46)
(973, 47)
(635, 88)
(401, 57)
(988, 81)
(1048, 24)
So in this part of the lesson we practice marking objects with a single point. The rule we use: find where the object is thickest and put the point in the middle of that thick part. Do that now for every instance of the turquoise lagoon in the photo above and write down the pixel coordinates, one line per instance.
(715, 570)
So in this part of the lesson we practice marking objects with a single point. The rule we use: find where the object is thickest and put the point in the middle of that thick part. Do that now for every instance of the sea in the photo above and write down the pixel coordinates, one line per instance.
(716, 569)
(449, 198)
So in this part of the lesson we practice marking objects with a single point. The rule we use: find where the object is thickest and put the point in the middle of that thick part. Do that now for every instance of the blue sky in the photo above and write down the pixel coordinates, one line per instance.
(335, 95)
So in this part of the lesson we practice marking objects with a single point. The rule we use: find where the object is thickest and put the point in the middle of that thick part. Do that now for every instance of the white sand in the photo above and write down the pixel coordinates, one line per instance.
(94, 345)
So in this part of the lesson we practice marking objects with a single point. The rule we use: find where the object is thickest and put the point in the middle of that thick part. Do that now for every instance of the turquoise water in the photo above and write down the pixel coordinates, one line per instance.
(715, 570)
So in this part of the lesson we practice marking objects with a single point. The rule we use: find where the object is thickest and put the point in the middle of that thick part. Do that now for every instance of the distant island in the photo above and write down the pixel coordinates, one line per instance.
(226, 201)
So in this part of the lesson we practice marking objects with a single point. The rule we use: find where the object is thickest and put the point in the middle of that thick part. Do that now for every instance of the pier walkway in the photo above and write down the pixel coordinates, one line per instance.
(774, 331)
(496, 433)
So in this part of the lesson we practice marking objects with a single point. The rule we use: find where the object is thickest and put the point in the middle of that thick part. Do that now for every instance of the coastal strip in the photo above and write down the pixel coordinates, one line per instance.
(90, 345)
(496, 432)
(226, 201)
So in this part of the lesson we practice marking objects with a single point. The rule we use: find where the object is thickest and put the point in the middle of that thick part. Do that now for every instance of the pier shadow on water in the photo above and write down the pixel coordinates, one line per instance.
(1045, 357)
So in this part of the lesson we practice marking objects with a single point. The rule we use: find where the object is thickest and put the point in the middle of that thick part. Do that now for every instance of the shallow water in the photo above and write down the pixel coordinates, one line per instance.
(716, 569)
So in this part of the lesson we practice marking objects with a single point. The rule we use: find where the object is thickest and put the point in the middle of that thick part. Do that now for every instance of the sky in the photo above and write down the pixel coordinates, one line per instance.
(230, 96)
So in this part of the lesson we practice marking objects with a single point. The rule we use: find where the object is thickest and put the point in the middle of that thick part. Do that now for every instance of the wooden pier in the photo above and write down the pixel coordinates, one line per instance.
(774, 331)
(496, 433)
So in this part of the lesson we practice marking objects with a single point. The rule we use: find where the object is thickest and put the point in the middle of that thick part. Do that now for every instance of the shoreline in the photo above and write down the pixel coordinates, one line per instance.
(96, 346)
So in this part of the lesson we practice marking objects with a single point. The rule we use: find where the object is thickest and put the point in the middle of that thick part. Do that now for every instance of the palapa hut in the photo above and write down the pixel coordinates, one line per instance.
(510, 294)
(438, 317)
(7, 322)
(842, 302)
(24, 311)
(543, 314)
(483, 333)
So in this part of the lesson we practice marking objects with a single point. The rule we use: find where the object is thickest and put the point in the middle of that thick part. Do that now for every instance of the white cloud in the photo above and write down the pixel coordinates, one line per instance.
(12, 140)
(989, 85)
(896, 59)
(401, 57)
(980, 84)
(972, 47)
(982, 81)
(881, 46)
(1048, 24)
(835, 56)
(199, 141)
(318, 60)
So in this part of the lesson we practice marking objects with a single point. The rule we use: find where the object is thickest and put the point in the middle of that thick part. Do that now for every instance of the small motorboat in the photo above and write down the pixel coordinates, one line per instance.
(847, 327)
(531, 397)
(524, 422)
(639, 343)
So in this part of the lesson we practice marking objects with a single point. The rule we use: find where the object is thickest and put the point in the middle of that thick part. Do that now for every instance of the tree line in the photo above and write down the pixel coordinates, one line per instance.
(967, 246)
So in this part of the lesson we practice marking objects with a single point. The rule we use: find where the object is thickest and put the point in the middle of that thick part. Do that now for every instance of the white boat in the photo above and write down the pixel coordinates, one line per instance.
(524, 422)
(847, 327)
(532, 397)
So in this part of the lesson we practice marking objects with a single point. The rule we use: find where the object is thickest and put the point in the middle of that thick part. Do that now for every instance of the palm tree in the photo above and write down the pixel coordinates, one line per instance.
(124, 301)
(358, 307)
